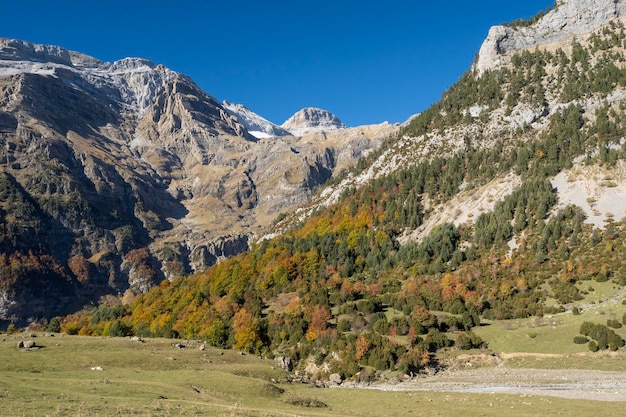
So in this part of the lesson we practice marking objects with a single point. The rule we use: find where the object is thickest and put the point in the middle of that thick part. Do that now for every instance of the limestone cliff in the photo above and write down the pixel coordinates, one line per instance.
(568, 18)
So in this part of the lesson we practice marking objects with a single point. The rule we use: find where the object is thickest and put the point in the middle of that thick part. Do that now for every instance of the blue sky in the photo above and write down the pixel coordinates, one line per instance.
(365, 61)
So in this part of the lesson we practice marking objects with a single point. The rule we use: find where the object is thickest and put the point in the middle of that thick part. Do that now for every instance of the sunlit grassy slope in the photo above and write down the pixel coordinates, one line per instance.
(553, 334)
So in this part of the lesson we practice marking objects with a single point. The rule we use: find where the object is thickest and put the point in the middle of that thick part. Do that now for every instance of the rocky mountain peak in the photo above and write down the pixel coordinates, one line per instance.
(257, 126)
(312, 119)
(17, 50)
(569, 17)
(132, 64)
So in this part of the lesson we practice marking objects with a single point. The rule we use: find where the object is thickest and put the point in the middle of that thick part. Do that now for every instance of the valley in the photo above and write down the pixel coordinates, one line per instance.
(175, 255)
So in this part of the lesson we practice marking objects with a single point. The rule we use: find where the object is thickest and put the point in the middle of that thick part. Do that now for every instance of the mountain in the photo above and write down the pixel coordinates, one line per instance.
(115, 176)
(506, 199)
(255, 124)
(312, 119)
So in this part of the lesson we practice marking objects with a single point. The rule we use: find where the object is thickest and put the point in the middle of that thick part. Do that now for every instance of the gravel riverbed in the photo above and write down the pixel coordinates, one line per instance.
(564, 383)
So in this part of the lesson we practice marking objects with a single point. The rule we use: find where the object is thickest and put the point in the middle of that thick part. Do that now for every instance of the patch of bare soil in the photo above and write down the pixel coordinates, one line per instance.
(501, 379)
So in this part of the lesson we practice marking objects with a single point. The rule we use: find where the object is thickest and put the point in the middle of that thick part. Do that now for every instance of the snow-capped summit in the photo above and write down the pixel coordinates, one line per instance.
(256, 125)
(312, 119)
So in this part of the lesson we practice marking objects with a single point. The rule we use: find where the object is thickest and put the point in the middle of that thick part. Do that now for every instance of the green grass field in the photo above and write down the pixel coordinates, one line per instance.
(155, 378)
(553, 334)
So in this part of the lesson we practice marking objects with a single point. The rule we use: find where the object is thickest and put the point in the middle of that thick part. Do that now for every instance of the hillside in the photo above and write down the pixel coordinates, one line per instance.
(473, 213)
(115, 176)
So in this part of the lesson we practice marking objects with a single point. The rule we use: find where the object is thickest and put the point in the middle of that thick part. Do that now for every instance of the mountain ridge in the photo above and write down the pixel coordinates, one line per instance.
(140, 174)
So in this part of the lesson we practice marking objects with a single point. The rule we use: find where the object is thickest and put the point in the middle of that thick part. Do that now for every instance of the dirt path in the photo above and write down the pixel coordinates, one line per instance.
(564, 383)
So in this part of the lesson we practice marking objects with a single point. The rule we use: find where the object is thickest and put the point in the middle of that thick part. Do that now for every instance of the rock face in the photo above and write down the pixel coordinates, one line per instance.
(284, 362)
(570, 17)
(114, 176)
(312, 119)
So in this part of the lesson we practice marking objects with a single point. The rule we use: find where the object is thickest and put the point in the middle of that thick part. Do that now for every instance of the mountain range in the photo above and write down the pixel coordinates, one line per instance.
(123, 174)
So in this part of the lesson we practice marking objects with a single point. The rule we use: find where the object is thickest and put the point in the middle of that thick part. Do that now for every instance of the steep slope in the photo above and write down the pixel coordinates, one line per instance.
(119, 175)
(455, 221)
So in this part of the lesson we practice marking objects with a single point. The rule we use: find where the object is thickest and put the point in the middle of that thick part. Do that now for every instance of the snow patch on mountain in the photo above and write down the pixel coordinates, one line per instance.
(256, 125)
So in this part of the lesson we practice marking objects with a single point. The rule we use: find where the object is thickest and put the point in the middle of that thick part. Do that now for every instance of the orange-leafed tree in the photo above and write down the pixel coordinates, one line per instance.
(247, 336)
(319, 322)
(362, 346)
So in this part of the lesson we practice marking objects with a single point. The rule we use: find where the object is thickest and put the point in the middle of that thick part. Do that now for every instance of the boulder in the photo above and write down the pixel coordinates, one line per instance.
(335, 379)
(29, 344)
(284, 362)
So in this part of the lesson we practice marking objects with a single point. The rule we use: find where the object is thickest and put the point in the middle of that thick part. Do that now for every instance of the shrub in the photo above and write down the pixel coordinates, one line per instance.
(576, 311)
(468, 340)
(343, 325)
(593, 346)
(603, 337)
(614, 323)
(436, 340)
(54, 325)
(580, 340)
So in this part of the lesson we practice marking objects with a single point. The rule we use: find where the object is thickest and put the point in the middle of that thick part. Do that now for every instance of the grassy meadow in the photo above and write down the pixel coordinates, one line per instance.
(89, 376)
(553, 334)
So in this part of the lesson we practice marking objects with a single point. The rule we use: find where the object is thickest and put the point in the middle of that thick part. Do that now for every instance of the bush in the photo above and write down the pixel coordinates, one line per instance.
(576, 311)
(603, 337)
(54, 325)
(436, 340)
(468, 340)
(593, 346)
(580, 340)
(343, 325)
(614, 323)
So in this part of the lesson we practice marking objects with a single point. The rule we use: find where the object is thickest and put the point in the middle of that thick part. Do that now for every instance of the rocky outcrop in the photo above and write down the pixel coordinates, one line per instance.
(312, 119)
(570, 17)
(284, 362)
(17, 50)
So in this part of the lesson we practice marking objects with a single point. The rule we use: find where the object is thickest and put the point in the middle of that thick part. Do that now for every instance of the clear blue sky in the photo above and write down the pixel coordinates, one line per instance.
(365, 61)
